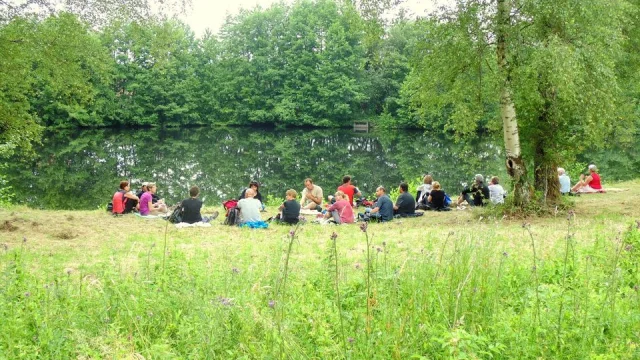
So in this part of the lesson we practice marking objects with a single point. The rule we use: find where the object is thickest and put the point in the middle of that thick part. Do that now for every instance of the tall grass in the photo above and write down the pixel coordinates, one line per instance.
(468, 294)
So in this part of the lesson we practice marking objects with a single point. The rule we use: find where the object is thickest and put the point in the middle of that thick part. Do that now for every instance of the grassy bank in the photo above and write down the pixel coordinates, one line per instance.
(447, 285)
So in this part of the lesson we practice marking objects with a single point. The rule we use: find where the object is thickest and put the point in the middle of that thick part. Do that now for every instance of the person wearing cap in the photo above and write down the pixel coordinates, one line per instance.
(476, 194)
(254, 185)
(565, 181)
(589, 183)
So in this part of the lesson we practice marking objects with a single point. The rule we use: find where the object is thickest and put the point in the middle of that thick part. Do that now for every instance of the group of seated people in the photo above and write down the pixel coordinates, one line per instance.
(589, 183)
(339, 207)
(145, 201)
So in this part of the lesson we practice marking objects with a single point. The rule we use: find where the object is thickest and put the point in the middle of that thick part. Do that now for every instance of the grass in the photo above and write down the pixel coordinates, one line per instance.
(462, 284)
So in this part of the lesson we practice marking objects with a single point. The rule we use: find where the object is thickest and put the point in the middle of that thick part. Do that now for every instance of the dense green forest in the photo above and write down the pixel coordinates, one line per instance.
(557, 77)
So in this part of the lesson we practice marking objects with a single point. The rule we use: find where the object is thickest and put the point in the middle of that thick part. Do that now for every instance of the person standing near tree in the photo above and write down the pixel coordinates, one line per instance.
(565, 181)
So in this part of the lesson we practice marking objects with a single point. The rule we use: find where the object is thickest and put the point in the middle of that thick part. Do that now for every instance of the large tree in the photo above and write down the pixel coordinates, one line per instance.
(545, 68)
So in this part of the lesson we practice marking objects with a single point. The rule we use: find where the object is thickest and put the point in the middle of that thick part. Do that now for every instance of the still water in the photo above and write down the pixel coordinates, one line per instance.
(78, 169)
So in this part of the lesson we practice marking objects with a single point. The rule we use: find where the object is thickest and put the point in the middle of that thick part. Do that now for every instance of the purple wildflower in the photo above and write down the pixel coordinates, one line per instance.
(378, 249)
(351, 340)
(505, 254)
(292, 233)
(629, 247)
(235, 270)
(334, 236)
(272, 303)
(357, 266)
(225, 301)
(27, 294)
(363, 226)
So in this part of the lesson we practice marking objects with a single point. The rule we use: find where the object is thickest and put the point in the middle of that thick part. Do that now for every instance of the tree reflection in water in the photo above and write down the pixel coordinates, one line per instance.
(82, 169)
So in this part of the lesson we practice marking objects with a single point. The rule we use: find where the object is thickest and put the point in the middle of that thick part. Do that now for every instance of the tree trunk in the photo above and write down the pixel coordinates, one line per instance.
(515, 165)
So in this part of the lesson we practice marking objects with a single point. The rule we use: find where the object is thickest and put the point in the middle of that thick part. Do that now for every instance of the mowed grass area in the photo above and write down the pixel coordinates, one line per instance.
(461, 284)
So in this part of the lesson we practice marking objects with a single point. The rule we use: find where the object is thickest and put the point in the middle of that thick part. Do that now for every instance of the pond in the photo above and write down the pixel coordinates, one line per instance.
(81, 169)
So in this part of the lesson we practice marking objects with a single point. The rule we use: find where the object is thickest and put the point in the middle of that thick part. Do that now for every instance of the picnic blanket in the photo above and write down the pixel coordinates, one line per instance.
(255, 225)
(198, 224)
(151, 217)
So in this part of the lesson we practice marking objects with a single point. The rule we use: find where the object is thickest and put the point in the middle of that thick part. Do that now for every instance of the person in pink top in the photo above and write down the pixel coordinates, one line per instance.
(341, 210)
(590, 183)
(147, 207)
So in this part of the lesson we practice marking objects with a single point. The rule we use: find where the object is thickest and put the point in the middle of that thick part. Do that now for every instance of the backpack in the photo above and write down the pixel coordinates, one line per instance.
(176, 215)
(233, 217)
(447, 200)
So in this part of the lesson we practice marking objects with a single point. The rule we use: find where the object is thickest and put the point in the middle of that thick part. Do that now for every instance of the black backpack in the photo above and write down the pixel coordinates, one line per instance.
(176, 214)
(233, 217)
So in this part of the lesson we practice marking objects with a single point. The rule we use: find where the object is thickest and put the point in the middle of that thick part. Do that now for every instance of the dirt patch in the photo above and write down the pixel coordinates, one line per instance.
(7, 225)
(65, 235)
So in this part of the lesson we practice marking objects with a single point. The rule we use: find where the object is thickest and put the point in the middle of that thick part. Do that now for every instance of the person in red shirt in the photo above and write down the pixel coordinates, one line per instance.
(590, 183)
(349, 190)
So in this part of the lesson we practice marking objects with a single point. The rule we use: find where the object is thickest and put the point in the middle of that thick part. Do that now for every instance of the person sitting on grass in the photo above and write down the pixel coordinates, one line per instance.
(348, 189)
(405, 204)
(496, 191)
(249, 208)
(255, 186)
(383, 207)
(436, 198)
(124, 201)
(341, 211)
(290, 209)
(476, 194)
(191, 208)
(565, 181)
(311, 196)
(423, 192)
(590, 183)
(147, 207)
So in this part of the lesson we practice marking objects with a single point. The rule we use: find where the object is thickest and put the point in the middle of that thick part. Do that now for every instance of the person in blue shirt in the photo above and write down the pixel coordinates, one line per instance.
(383, 207)
(565, 181)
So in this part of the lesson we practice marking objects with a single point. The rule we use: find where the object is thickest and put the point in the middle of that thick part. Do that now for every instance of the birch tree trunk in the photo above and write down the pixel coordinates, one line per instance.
(515, 166)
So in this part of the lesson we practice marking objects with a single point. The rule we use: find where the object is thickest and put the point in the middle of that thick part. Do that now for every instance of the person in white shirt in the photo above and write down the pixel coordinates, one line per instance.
(249, 207)
(496, 191)
(565, 181)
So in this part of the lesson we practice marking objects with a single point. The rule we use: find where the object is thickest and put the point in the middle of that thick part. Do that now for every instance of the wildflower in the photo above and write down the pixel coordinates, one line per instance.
(153, 245)
(292, 233)
(451, 233)
(334, 236)
(235, 270)
(150, 314)
(68, 271)
(363, 227)
(351, 340)
(24, 239)
(505, 254)
(384, 244)
(225, 301)
(272, 303)
(635, 287)
(138, 318)
(27, 294)
(5, 247)
(378, 249)
(629, 247)
(357, 266)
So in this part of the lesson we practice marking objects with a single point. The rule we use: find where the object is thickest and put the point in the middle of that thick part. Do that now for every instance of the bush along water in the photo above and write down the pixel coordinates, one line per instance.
(465, 295)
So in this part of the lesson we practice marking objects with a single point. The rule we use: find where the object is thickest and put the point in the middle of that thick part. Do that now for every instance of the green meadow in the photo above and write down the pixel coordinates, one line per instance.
(452, 285)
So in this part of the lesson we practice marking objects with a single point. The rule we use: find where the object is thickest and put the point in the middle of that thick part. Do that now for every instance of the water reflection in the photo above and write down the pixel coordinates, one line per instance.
(81, 169)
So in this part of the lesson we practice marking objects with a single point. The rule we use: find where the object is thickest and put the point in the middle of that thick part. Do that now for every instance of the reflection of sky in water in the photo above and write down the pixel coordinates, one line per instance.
(222, 162)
